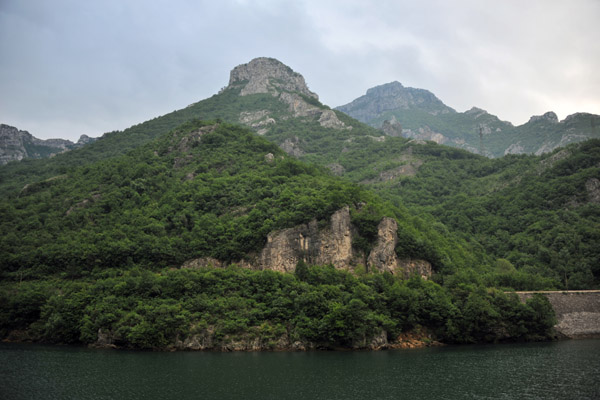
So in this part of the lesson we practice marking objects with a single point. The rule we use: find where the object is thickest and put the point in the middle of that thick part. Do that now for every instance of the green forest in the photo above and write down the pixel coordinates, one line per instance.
(93, 240)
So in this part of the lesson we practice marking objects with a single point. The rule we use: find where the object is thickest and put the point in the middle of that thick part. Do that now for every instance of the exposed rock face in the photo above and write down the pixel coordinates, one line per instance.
(592, 186)
(298, 107)
(292, 146)
(424, 116)
(329, 245)
(476, 112)
(257, 119)
(411, 267)
(203, 262)
(550, 116)
(383, 257)
(85, 139)
(16, 145)
(515, 148)
(332, 245)
(268, 75)
(393, 96)
(328, 119)
(392, 127)
(425, 133)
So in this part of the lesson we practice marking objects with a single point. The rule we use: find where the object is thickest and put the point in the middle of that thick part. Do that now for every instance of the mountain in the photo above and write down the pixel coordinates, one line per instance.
(16, 145)
(417, 113)
(121, 252)
(208, 194)
(136, 240)
(415, 176)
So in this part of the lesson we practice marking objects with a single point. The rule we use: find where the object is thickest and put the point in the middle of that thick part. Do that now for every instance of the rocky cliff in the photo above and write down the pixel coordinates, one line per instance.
(16, 145)
(331, 244)
(270, 76)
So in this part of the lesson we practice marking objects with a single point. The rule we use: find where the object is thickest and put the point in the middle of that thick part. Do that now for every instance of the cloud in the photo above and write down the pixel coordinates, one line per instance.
(89, 67)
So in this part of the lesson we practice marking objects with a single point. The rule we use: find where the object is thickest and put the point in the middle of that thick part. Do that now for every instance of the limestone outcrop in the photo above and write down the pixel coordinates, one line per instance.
(392, 127)
(383, 257)
(331, 244)
(268, 75)
(16, 145)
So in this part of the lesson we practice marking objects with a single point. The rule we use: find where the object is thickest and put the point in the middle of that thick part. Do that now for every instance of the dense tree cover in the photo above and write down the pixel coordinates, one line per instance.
(214, 194)
(96, 228)
(201, 190)
(225, 106)
(535, 212)
(320, 305)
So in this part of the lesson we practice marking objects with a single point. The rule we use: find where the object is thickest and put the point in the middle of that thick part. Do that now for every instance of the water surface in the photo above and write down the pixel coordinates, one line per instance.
(561, 370)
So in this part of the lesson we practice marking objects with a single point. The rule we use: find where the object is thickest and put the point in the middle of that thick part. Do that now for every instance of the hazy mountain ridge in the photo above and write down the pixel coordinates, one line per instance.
(16, 145)
(428, 118)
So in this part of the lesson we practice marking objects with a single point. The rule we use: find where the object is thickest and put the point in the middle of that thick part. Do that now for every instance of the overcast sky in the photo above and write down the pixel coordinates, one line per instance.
(72, 67)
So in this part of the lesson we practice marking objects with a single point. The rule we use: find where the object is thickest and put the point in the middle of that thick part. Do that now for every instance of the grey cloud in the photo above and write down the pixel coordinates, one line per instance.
(89, 67)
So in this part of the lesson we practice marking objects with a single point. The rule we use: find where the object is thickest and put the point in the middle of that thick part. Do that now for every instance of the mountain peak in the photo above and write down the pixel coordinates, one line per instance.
(550, 116)
(392, 97)
(268, 75)
(385, 89)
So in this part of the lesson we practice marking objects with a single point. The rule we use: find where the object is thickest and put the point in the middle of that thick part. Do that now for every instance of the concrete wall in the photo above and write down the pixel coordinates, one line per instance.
(577, 311)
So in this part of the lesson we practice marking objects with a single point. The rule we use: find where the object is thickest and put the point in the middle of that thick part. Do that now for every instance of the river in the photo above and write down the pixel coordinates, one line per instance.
(558, 370)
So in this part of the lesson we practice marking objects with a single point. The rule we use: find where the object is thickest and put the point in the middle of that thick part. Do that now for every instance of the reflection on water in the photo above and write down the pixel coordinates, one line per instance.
(562, 370)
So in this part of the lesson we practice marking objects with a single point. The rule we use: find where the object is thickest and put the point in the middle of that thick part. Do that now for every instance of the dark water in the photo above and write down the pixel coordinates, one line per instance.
(563, 370)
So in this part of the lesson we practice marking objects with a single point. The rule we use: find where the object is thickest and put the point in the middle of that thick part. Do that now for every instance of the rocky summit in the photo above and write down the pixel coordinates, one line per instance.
(268, 75)
(16, 145)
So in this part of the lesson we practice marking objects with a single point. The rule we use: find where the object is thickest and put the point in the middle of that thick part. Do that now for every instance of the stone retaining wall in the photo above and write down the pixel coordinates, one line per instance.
(577, 312)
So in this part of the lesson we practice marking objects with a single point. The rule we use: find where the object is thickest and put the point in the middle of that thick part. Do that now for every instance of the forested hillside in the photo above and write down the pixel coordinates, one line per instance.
(534, 214)
(94, 256)
(108, 227)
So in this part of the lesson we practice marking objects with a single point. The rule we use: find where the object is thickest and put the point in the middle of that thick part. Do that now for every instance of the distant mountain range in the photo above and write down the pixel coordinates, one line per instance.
(419, 114)
(16, 145)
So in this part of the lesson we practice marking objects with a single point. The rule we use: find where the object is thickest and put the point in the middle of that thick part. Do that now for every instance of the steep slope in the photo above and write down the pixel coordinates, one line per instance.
(16, 145)
(418, 114)
(214, 194)
(540, 213)
(275, 102)
(118, 253)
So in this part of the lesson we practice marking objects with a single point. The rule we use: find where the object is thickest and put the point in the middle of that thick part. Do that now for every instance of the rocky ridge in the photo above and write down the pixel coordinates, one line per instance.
(16, 145)
(393, 96)
(422, 116)
(270, 76)
(332, 245)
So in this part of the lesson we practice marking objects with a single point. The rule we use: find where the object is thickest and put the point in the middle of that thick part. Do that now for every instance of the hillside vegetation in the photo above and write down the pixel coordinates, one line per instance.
(93, 240)
(97, 252)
